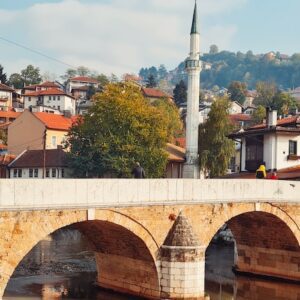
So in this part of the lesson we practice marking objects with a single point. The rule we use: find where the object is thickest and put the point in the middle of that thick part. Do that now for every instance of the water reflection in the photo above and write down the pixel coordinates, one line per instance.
(61, 267)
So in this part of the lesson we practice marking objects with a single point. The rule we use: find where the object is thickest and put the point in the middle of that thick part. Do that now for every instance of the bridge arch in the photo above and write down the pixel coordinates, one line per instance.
(26, 229)
(266, 238)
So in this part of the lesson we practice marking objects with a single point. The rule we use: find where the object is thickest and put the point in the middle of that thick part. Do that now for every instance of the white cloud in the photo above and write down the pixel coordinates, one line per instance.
(117, 36)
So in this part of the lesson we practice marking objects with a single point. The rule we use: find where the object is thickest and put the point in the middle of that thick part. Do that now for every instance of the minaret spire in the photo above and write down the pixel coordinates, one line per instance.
(195, 28)
(193, 68)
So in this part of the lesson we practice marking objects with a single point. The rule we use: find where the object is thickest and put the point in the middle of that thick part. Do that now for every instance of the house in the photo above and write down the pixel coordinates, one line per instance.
(41, 87)
(235, 108)
(240, 120)
(6, 96)
(79, 86)
(249, 110)
(275, 142)
(51, 163)
(52, 98)
(5, 160)
(176, 159)
(32, 131)
(155, 94)
(250, 96)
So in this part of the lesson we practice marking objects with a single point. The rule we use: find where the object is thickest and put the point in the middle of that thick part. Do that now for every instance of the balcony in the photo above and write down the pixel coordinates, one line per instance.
(293, 157)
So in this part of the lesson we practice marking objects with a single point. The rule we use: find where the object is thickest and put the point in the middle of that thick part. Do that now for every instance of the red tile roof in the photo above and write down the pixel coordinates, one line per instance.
(9, 114)
(84, 79)
(51, 91)
(282, 122)
(46, 84)
(154, 93)
(181, 142)
(55, 122)
(235, 118)
(35, 159)
(4, 87)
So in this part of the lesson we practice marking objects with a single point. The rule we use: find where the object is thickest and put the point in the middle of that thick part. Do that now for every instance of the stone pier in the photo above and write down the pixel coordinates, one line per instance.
(182, 263)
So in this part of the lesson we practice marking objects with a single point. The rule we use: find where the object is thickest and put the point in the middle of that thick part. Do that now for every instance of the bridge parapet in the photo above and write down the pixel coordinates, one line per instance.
(24, 194)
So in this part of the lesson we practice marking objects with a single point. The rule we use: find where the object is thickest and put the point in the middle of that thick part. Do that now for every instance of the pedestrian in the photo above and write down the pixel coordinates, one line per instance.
(138, 171)
(274, 175)
(261, 171)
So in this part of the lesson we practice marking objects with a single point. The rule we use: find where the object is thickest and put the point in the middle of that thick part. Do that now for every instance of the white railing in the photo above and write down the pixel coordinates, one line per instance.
(24, 194)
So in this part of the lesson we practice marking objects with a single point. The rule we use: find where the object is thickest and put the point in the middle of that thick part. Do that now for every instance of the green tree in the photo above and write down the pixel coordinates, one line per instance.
(31, 75)
(16, 81)
(180, 93)
(151, 82)
(215, 149)
(3, 78)
(237, 91)
(120, 129)
(103, 80)
(266, 92)
(83, 71)
(284, 103)
(213, 49)
(162, 72)
(258, 115)
(70, 73)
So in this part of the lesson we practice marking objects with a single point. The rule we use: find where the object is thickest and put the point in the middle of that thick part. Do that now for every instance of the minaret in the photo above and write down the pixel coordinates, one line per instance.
(193, 68)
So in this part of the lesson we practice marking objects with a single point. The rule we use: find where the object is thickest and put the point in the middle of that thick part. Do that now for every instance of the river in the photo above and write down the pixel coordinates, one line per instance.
(61, 267)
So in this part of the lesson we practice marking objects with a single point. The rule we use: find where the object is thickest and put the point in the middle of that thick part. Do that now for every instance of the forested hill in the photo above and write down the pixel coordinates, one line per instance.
(221, 68)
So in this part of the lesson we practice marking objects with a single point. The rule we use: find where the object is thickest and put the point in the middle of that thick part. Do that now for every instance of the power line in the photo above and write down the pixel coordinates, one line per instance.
(36, 52)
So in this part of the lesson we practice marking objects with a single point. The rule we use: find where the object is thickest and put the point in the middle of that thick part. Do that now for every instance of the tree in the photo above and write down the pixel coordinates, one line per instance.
(151, 83)
(103, 80)
(114, 78)
(68, 74)
(266, 92)
(171, 112)
(162, 72)
(83, 71)
(3, 78)
(259, 115)
(31, 75)
(215, 149)
(120, 129)
(284, 103)
(16, 81)
(213, 49)
(180, 93)
(237, 91)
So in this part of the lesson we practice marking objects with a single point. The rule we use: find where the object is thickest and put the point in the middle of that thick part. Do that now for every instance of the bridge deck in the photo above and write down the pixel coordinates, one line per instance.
(30, 194)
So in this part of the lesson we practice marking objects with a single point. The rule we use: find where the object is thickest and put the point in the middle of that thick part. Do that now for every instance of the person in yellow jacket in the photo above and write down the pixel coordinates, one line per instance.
(261, 171)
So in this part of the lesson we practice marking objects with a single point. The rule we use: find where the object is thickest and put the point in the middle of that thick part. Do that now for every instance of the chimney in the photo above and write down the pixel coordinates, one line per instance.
(271, 117)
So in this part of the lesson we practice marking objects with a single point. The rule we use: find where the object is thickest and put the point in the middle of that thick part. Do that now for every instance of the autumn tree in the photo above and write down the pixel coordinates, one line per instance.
(120, 129)
(180, 93)
(237, 91)
(215, 149)
(258, 115)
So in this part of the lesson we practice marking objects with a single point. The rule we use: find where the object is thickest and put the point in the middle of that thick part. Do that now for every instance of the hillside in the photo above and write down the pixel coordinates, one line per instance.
(220, 68)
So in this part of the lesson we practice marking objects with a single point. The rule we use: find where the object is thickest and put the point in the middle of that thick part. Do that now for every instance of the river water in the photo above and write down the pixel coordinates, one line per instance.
(61, 267)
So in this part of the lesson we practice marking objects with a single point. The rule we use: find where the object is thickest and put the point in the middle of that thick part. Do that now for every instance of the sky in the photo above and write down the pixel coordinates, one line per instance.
(121, 36)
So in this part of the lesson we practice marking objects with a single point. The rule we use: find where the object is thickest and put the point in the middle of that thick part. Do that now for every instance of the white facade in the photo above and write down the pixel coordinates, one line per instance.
(37, 173)
(235, 108)
(76, 84)
(59, 102)
(193, 68)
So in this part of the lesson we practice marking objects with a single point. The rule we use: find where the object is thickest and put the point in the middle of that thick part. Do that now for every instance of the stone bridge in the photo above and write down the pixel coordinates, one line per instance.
(150, 236)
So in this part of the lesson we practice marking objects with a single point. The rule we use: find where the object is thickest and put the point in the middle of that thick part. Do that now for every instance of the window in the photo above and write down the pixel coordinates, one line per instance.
(58, 107)
(53, 172)
(19, 173)
(29, 98)
(54, 98)
(58, 97)
(47, 173)
(292, 148)
(15, 173)
(53, 141)
(36, 173)
(62, 173)
(49, 98)
(30, 173)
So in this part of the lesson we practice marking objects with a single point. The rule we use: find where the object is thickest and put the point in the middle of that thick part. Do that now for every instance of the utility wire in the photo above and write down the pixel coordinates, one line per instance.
(36, 52)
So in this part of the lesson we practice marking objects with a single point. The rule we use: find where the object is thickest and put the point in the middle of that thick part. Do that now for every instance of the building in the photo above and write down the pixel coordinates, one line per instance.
(41, 87)
(48, 99)
(6, 96)
(51, 163)
(193, 68)
(5, 160)
(31, 131)
(176, 159)
(79, 86)
(155, 94)
(235, 108)
(275, 142)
